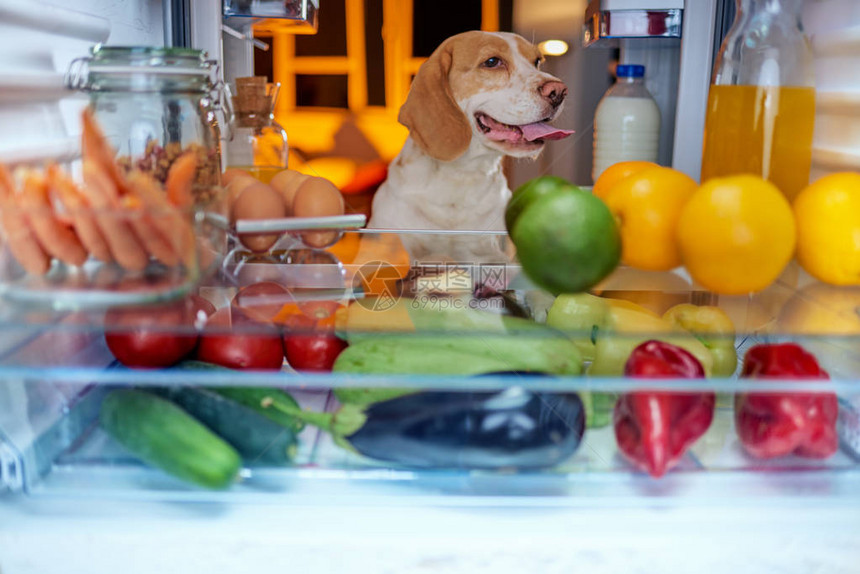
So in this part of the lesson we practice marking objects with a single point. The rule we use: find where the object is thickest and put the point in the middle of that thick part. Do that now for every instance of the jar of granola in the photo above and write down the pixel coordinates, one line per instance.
(155, 104)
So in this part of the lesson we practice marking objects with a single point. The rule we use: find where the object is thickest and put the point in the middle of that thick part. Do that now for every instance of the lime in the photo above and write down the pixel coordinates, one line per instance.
(529, 192)
(567, 241)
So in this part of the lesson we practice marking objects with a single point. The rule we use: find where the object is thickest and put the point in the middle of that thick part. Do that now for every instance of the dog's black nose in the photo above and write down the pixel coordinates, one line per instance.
(554, 91)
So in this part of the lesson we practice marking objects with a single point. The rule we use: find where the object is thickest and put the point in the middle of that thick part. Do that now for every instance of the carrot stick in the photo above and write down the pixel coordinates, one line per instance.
(180, 178)
(79, 212)
(55, 238)
(95, 147)
(142, 223)
(123, 243)
(172, 224)
(22, 242)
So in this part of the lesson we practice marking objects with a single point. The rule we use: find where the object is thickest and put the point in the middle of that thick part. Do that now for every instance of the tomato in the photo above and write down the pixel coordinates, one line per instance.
(235, 340)
(153, 336)
(263, 300)
(312, 352)
(201, 304)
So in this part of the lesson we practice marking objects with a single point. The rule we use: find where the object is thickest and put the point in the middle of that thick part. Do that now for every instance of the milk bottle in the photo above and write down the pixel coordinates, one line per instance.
(627, 122)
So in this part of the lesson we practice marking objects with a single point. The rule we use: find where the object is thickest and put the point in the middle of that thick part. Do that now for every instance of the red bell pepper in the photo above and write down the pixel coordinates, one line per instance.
(654, 429)
(772, 425)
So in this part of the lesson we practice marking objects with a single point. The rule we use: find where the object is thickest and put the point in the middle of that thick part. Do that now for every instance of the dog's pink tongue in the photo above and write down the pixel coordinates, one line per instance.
(543, 131)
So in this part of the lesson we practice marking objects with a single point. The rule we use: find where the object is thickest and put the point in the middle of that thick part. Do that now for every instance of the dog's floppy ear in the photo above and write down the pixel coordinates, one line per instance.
(435, 121)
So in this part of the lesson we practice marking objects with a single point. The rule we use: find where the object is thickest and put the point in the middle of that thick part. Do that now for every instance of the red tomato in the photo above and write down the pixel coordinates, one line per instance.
(152, 336)
(234, 340)
(312, 352)
(202, 304)
(263, 300)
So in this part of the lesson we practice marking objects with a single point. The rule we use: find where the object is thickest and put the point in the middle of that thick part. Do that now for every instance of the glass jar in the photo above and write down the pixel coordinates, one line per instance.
(258, 144)
(761, 105)
(154, 104)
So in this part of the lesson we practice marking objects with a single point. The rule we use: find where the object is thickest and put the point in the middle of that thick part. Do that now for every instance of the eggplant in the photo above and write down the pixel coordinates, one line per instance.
(474, 430)
(510, 429)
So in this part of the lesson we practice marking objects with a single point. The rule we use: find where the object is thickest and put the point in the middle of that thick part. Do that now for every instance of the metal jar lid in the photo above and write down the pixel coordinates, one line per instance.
(143, 69)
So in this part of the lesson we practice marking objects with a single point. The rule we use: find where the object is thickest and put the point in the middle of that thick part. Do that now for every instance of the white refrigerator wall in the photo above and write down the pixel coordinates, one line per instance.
(834, 28)
(37, 43)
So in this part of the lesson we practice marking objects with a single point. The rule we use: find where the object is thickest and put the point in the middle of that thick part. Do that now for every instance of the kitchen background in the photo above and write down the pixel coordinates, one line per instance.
(342, 87)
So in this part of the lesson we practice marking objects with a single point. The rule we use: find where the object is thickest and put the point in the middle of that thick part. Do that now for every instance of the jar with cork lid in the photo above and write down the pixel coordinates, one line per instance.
(259, 143)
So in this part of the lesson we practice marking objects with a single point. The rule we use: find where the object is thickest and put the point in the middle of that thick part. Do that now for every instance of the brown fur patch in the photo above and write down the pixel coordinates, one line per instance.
(453, 73)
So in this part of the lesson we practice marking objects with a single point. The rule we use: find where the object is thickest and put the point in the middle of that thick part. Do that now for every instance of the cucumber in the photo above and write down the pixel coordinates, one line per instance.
(257, 438)
(165, 436)
(261, 400)
(258, 399)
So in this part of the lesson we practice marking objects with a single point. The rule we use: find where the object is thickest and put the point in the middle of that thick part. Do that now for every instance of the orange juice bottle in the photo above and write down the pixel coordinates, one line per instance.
(764, 130)
(761, 105)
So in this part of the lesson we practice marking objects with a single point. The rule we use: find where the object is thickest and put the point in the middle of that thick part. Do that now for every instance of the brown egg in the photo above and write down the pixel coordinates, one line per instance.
(232, 173)
(287, 183)
(315, 198)
(236, 186)
(258, 201)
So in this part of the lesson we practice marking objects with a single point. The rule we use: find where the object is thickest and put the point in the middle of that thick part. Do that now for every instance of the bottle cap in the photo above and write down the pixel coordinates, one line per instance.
(254, 96)
(630, 71)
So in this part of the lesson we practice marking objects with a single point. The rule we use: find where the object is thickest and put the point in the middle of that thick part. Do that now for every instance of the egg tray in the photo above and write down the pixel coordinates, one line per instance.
(97, 284)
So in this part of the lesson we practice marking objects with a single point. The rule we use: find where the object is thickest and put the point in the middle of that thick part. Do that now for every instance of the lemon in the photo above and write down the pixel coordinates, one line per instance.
(647, 205)
(827, 213)
(615, 173)
(736, 234)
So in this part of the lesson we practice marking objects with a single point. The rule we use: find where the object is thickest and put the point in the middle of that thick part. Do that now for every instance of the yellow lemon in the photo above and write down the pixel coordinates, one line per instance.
(736, 234)
(828, 229)
(647, 205)
(820, 309)
(615, 173)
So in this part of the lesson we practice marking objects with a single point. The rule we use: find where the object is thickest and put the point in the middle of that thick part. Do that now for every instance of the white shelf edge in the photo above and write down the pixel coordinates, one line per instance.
(32, 87)
(59, 150)
(54, 20)
(837, 43)
(838, 101)
(835, 158)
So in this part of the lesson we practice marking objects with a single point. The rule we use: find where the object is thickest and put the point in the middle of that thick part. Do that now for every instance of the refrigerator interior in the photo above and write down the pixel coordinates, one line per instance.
(55, 368)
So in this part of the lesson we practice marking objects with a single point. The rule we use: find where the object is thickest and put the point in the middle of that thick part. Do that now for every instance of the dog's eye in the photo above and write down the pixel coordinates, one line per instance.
(538, 62)
(493, 62)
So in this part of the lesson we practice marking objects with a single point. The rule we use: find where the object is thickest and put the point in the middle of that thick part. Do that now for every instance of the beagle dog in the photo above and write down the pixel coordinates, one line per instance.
(479, 97)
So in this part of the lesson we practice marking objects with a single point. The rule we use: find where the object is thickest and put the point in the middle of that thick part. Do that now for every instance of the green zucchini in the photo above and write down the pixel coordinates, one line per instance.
(165, 436)
(257, 438)
(364, 397)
